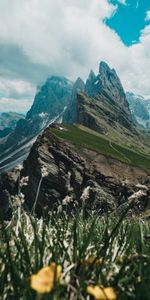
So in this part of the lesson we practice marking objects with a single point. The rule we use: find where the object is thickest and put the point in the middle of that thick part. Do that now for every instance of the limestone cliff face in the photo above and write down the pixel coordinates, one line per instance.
(102, 100)
(107, 83)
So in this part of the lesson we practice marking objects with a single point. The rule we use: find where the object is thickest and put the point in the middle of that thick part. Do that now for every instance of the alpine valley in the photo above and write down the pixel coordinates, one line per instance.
(82, 141)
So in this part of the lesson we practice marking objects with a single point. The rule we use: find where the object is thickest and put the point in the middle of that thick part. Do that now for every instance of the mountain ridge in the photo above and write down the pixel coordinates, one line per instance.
(99, 104)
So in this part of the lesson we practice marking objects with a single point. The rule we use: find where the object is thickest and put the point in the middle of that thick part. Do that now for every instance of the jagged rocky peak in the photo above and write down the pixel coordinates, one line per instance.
(102, 98)
(109, 79)
(92, 75)
(79, 83)
(89, 87)
(52, 97)
(106, 83)
(78, 86)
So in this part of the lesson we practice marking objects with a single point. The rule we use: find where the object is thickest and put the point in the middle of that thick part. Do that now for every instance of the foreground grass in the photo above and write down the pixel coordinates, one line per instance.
(103, 145)
(91, 251)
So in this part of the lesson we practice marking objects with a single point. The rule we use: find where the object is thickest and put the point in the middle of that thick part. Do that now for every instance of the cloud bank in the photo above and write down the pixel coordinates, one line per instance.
(63, 37)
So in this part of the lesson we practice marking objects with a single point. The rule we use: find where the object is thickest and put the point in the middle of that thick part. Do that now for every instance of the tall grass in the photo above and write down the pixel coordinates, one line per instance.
(92, 250)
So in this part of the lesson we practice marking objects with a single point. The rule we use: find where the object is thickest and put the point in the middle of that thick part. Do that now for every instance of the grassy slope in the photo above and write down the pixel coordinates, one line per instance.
(104, 145)
(104, 112)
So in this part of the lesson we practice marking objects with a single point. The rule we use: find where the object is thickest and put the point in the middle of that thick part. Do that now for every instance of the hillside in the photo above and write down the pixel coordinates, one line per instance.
(82, 136)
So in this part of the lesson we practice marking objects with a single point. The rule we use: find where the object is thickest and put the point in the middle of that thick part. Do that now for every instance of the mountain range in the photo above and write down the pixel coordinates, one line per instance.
(8, 121)
(140, 110)
(100, 104)
(94, 145)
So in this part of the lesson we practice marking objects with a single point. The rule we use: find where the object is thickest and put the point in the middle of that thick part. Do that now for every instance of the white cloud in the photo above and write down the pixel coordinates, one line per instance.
(67, 37)
(147, 18)
(15, 95)
(15, 88)
(11, 104)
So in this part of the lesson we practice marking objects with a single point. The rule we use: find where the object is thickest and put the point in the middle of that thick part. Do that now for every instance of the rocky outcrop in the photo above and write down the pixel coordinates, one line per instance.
(67, 177)
(8, 188)
(58, 176)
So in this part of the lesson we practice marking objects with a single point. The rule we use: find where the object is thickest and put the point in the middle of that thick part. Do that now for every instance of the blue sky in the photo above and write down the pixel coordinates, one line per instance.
(129, 19)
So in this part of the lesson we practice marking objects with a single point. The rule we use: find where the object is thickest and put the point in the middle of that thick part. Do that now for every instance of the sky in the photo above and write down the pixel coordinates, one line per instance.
(40, 38)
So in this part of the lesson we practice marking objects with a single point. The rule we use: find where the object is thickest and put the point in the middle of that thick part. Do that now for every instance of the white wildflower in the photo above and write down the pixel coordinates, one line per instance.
(137, 195)
(85, 195)
(24, 181)
(67, 200)
(142, 187)
(19, 167)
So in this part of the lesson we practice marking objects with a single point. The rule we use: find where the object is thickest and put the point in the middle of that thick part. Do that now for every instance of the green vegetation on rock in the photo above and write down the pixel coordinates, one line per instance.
(103, 145)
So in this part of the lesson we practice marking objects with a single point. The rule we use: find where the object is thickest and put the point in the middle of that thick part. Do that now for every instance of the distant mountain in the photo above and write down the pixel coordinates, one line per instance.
(48, 106)
(8, 121)
(52, 97)
(140, 109)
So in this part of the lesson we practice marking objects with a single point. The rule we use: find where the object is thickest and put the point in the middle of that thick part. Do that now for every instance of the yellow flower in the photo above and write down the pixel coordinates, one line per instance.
(100, 293)
(43, 281)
